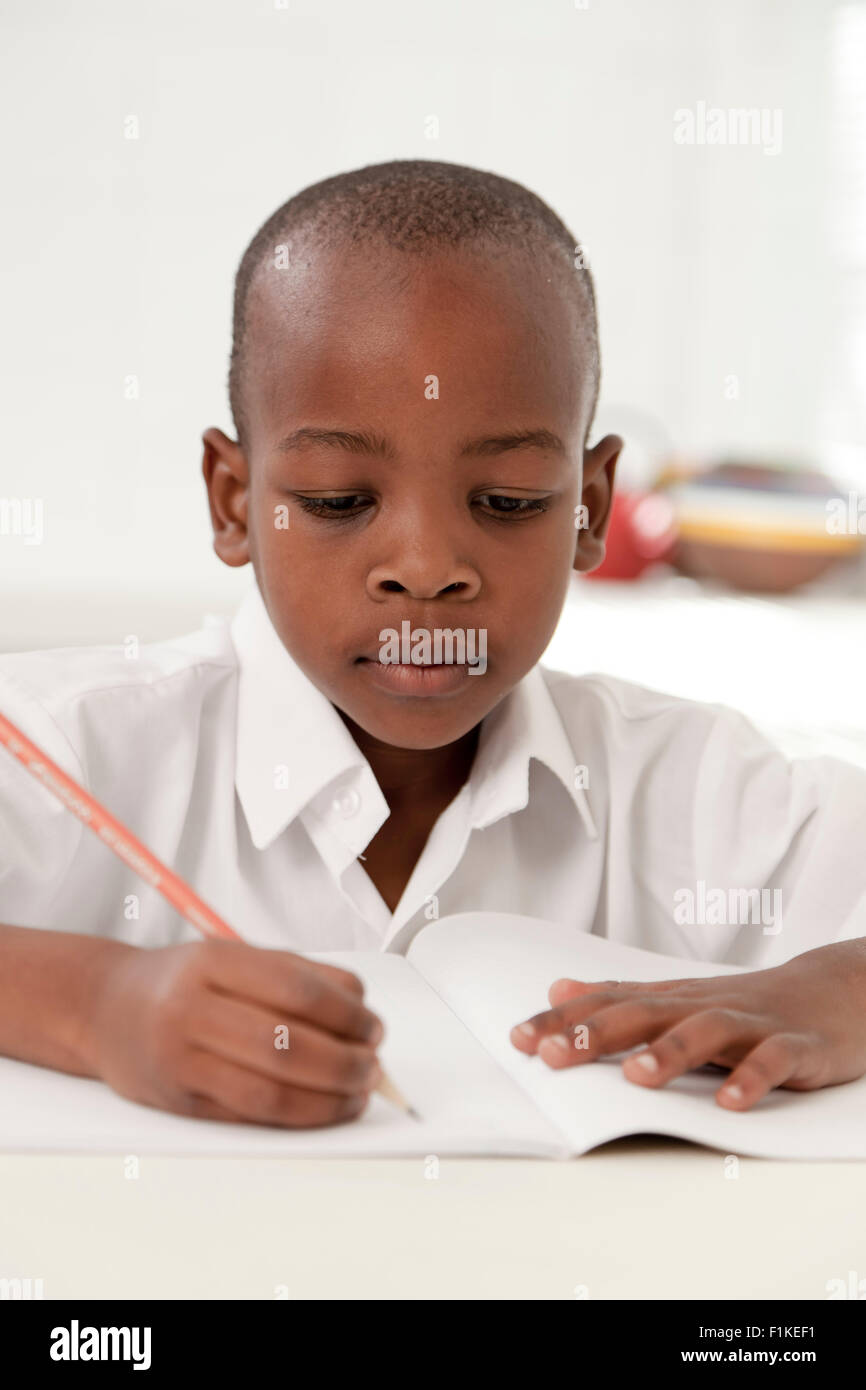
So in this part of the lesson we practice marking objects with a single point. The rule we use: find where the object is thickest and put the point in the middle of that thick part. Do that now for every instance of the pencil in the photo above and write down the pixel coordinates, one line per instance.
(131, 850)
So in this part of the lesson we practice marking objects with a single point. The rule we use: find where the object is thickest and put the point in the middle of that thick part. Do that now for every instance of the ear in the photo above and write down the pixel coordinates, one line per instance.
(226, 476)
(599, 467)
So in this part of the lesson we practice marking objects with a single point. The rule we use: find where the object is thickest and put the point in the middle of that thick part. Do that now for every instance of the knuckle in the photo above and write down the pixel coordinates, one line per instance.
(204, 956)
(777, 1048)
(756, 1066)
(652, 1004)
(719, 1013)
(308, 990)
(594, 1030)
(729, 1014)
(370, 1027)
(716, 1017)
(357, 1069)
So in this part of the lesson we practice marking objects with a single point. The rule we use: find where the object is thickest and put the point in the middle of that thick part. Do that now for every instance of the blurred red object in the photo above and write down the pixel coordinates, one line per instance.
(642, 532)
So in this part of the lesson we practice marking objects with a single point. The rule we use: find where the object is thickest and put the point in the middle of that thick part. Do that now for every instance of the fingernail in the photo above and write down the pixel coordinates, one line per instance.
(645, 1060)
(561, 1041)
(527, 1029)
(733, 1092)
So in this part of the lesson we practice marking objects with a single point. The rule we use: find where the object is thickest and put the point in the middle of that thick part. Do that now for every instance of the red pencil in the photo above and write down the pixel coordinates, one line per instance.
(130, 849)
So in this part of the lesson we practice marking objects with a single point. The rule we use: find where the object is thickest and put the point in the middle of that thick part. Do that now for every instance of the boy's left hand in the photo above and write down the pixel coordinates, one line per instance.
(801, 1025)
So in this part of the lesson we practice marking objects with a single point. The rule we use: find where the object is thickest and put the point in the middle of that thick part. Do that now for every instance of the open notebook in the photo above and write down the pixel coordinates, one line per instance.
(448, 1007)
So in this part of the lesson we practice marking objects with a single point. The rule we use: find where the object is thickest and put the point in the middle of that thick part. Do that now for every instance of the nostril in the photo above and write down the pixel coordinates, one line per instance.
(393, 586)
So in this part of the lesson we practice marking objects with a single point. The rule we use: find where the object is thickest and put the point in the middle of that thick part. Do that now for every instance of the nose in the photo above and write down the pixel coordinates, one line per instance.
(424, 572)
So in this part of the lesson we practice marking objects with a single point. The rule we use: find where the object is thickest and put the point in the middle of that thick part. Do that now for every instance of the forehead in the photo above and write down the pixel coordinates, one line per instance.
(358, 332)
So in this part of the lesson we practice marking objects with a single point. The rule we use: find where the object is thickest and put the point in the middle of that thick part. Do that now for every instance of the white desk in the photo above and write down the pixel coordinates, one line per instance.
(639, 1218)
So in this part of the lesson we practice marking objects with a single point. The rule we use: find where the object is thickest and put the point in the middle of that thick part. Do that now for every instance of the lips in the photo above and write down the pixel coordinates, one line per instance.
(429, 679)
(416, 665)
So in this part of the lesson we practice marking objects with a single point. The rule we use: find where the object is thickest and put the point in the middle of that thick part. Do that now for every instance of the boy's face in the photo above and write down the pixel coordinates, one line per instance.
(407, 504)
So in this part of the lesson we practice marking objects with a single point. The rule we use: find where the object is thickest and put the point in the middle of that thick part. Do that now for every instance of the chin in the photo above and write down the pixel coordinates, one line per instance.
(420, 730)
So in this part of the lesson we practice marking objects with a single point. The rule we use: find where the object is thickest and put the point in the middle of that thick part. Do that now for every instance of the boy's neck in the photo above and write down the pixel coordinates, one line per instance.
(419, 774)
(418, 784)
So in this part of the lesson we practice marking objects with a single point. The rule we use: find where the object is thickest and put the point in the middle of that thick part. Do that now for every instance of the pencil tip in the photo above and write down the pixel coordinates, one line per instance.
(414, 1113)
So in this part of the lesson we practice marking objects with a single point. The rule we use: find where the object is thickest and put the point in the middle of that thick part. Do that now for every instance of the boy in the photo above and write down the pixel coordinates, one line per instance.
(413, 380)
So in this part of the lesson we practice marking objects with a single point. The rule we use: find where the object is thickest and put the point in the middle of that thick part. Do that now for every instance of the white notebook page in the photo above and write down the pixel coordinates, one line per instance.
(495, 970)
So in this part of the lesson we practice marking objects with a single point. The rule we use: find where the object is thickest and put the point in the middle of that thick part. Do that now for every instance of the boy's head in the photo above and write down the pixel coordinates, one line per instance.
(414, 374)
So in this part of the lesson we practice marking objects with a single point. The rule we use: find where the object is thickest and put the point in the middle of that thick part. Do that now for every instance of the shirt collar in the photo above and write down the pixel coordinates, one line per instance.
(292, 744)
(292, 747)
(524, 727)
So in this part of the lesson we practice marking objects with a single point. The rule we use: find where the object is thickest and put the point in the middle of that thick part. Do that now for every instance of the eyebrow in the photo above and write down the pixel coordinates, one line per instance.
(521, 439)
(352, 441)
(377, 446)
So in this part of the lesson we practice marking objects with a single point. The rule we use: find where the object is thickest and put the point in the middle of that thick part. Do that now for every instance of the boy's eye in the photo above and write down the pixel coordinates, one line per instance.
(349, 504)
(499, 505)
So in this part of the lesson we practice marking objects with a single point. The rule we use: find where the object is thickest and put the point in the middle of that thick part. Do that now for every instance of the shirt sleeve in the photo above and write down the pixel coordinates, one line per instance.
(779, 849)
(38, 836)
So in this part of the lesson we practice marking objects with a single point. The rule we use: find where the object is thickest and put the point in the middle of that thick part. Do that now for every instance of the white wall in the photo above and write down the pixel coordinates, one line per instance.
(118, 254)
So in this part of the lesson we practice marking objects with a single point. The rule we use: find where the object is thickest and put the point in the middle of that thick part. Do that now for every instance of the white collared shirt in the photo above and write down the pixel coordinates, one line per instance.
(592, 801)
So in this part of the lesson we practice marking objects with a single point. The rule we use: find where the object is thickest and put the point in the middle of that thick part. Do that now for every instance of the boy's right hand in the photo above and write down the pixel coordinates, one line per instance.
(195, 1029)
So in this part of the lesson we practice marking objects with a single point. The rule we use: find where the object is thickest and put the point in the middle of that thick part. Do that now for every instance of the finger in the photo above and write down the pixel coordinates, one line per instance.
(293, 987)
(563, 990)
(220, 1089)
(287, 1050)
(528, 1036)
(344, 978)
(692, 1042)
(566, 988)
(776, 1061)
(611, 1029)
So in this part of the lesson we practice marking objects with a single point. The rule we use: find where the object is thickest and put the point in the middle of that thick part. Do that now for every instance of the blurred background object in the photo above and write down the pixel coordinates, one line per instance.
(642, 532)
(759, 527)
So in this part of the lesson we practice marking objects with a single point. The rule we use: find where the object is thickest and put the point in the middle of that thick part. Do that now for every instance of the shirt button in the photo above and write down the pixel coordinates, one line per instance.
(348, 803)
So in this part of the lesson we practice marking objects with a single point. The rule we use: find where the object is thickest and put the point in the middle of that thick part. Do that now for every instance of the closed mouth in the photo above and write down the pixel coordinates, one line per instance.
(416, 679)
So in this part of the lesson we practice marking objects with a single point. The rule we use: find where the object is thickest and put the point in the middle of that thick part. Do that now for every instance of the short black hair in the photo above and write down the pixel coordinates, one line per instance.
(412, 205)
